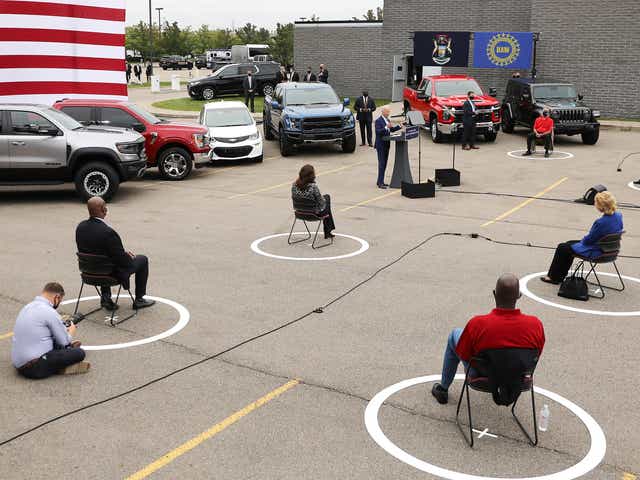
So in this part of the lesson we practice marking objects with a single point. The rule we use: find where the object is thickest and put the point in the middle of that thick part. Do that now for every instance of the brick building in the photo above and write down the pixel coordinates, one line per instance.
(581, 42)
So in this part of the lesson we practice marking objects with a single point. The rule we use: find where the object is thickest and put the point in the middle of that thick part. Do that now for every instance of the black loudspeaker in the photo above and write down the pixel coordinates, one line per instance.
(589, 196)
(419, 190)
(448, 177)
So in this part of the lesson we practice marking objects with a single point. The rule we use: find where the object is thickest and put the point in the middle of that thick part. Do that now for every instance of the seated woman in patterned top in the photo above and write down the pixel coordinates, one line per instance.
(305, 192)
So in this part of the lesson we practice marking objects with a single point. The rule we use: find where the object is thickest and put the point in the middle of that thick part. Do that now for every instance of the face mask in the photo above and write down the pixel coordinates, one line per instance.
(546, 114)
(56, 304)
(471, 97)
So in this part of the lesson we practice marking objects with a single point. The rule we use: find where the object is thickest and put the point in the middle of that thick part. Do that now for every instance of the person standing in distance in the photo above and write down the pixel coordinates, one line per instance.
(310, 76)
(469, 116)
(149, 71)
(293, 75)
(364, 107)
(323, 74)
(542, 128)
(281, 76)
(384, 128)
(249, 86)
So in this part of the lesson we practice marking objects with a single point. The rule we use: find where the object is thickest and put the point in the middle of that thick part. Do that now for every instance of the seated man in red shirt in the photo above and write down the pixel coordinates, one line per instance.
(504, 327)
(542, 128)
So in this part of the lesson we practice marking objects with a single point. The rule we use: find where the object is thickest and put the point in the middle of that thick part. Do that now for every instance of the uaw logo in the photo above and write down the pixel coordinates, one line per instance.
(442, 49)
(503, 49)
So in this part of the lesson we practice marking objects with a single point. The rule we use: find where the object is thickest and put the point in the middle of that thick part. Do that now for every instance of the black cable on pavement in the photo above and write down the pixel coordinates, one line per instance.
(273, 330)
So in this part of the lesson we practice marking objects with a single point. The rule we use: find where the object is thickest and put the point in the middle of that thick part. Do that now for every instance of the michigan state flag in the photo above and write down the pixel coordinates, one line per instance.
(503, 50)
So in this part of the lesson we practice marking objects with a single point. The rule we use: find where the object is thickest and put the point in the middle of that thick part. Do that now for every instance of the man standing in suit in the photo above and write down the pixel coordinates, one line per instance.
(292, 75)
(149, 72)
(469, 123)
(94, 236)
(310, 76)
(281, 76)
(383, 129)
(365, 106)
(249, 86)
(323, 74)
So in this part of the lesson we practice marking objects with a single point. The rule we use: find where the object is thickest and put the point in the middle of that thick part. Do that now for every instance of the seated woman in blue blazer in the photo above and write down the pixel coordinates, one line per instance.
(610, 222)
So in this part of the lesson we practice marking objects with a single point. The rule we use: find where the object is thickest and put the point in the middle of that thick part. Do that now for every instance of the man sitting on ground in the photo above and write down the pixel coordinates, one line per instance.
(504, 327)
(94, 236)
(42, 346)
(542, 128)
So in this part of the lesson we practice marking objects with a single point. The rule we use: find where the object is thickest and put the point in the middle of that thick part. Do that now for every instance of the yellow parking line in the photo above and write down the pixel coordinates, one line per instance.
(628, 476)
(370, 200)
(525, 203)
(288, 183)
(6, 335)
(195, 441)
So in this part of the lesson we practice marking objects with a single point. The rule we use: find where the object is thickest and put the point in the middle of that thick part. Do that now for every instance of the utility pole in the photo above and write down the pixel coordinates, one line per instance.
(151, 36)
(159, 9)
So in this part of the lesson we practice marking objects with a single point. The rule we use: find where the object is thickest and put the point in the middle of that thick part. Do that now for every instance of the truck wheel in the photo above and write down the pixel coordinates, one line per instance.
(266, 126)
(349, 144)
(590, 138)
(208, 93)
(267, 90)
(507, 121)
(96, 179)
(175, 163)
(285, 146)
(491, 137)
(436, 135)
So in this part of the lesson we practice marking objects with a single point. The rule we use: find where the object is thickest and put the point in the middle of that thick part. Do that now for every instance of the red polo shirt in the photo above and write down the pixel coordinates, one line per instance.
(543, 124)
(502, 328)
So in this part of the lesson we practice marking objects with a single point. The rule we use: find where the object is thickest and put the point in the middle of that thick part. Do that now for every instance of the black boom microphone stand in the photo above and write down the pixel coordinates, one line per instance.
(450, 177)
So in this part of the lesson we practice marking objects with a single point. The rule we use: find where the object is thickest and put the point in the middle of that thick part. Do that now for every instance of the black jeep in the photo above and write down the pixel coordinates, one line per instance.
(526, 97)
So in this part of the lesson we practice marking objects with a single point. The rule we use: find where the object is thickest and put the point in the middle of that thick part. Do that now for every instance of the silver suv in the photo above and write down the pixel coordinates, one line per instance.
(43, 146)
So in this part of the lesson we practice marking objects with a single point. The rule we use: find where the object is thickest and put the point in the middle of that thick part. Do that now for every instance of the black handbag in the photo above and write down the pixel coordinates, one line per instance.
(574, 287)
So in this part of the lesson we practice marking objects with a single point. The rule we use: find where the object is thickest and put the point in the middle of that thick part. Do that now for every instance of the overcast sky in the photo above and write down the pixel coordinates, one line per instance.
(228, 13)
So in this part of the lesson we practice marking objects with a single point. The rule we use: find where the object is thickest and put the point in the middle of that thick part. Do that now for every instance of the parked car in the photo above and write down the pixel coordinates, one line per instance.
(40, 145)
(300, 113)
(175, 62)
(228, 80)
(440, 99)
(172, 147)
(525, 99)
(201, 61)
(233, 132)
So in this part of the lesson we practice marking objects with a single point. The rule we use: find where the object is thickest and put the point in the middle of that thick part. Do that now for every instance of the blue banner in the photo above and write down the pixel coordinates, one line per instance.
(411, 132)
(503, 50)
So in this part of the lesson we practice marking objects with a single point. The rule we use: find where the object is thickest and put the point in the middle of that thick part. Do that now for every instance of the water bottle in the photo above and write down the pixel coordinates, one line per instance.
(543, 424)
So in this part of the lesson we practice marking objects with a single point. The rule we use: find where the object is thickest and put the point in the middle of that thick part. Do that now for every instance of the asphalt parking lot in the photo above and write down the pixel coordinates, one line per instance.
(291, 404)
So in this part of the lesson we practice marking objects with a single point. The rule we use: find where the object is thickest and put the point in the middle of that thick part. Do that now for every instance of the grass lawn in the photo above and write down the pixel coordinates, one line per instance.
(188, 105)
(147, 85)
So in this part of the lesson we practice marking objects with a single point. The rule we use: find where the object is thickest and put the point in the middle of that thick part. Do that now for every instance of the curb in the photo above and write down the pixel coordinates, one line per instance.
(620, 127)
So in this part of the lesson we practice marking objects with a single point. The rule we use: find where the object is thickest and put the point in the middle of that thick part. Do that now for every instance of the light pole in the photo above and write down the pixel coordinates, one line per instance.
(159, 9)
(150, 37)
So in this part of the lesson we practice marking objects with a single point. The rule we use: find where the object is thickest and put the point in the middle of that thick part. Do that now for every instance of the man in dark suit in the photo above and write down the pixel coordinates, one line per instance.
(383, 129)
(249, 86)
(323, 74)
(309, 76)
(365, 106)
(292, 75)
(281, 76)
(95, 236)
(469, 123)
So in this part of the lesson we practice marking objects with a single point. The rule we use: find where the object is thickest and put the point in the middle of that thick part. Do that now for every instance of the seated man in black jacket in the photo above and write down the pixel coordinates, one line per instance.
(95, 236)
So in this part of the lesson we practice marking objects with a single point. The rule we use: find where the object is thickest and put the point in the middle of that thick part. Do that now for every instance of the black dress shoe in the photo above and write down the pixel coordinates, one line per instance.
(142, 303)
(383, 186)
(371, 145)
(440, 393)
(329, 235)
(109, 305)
(362, 144)
(546, 154)
(527, 153)
(637, 182)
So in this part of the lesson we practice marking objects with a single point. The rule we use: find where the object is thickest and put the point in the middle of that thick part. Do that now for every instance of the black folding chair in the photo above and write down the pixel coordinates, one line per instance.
(303, 209)
(610, 246)
(97, 271)
(505, 373)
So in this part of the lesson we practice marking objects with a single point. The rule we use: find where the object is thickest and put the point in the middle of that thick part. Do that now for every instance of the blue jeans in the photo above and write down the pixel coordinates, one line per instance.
(383, 158)
(451, 359)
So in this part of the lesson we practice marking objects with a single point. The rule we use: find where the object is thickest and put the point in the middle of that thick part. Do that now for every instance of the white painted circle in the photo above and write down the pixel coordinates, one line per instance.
(633, 185)
(589, 462)
(255, 246)
(525, 290)
(184, 317)
(561, 156)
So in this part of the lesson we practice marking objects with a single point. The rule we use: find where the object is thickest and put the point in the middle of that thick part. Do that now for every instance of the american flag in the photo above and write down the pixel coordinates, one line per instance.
(62, 49)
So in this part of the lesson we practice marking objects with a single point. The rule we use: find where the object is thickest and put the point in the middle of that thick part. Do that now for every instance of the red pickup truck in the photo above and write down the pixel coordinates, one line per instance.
(174, 148)
(440, 99)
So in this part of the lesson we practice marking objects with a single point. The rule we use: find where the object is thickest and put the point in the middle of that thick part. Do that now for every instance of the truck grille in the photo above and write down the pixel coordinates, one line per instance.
(321, 123)
(571, 115)
(232, 152)
(481, 116)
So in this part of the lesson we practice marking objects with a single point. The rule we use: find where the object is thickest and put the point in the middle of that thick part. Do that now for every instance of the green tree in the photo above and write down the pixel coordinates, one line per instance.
(248, 33)
(372, 15)
(281, 44)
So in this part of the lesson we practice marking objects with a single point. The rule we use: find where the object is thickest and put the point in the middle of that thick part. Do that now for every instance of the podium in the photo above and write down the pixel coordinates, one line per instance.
(401, 167)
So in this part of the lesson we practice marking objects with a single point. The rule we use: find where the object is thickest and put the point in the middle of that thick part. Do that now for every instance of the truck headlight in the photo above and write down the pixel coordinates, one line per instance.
(128, 148)
(349, 121)
(446, 114)
(595, 113)
(200, 139)
(293, 123)
(587, 115)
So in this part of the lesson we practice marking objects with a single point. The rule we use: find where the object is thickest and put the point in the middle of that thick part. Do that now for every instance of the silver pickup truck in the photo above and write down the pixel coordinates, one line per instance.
(43, 146)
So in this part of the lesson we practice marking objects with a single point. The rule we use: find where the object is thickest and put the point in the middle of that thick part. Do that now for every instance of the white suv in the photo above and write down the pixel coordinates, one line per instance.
(233, 131)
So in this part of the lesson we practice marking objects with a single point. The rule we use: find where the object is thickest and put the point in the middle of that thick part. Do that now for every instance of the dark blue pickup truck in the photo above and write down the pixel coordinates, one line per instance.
(300, 113)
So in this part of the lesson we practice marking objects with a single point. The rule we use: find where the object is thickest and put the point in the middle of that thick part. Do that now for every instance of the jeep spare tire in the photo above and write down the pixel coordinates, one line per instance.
(96, 179)
(267, 90)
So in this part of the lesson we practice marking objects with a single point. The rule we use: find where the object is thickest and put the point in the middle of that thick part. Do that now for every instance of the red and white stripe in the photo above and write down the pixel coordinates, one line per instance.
(57, 49)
